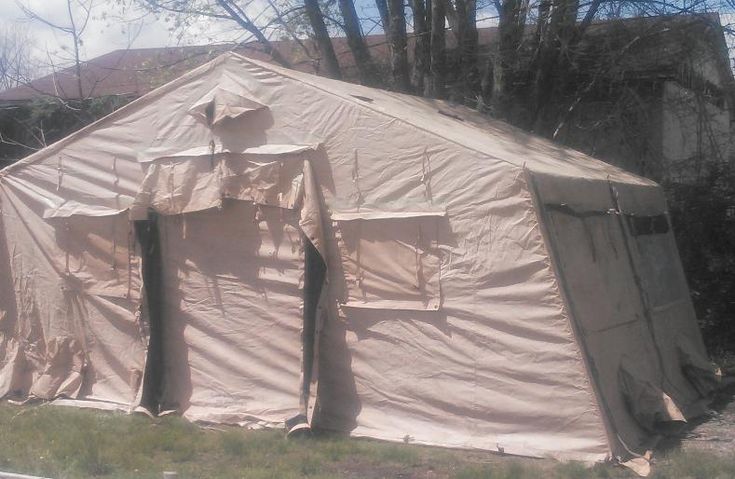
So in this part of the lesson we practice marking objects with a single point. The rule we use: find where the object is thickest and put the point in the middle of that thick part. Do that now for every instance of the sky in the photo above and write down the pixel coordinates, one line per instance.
(112, 27)
(109, 28)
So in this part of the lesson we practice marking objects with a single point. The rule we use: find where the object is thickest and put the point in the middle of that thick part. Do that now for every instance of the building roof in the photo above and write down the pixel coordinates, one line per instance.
(131, 72)
(135, 72)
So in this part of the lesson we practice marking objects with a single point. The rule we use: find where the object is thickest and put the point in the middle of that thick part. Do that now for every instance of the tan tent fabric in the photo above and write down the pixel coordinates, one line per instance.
(673, 321)
(231, 326)
(649, 405)
(191, 181)
(221, 104)
(311, 220)
(77, 290)
(390, 263)
(484, 287)
(602, 264)
(481, 367)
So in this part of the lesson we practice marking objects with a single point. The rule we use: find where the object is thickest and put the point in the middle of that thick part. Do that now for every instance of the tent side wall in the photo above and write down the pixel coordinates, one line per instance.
(634, 324)
(477, 353)
(11, 361)
(443, 323)
(72, 325)
(74, 259)
(76, 287)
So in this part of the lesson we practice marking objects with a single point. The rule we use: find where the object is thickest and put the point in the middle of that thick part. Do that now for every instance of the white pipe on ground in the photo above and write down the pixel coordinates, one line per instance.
(11, 475)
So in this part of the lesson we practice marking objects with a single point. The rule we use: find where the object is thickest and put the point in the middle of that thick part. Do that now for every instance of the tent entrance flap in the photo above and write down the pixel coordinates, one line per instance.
(147, 234)
(168, 322)
(232, 292)
(628, 302)
(608, 313)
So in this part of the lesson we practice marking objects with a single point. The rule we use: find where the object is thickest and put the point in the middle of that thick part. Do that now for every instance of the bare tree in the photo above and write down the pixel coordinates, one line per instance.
(16, 64)
(321, 35)
(503, 62)
(382, 6)
(360, 52)
(464, 20)
(438, 49)
(227, 10)
(79, 13)
(422, 52)
(398, 44)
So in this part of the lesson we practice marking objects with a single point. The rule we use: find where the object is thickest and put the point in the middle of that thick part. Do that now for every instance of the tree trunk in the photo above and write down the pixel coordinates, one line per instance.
(466, 34)
(542, 27)
(324, 43)
(422, 54)
(555, 37)
(384, 17)
(438, 49)
(398, 43)
(363, 60)
(503, 64)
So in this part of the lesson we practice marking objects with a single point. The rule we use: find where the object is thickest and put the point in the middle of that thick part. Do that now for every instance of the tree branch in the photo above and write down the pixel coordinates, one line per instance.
(241, 19)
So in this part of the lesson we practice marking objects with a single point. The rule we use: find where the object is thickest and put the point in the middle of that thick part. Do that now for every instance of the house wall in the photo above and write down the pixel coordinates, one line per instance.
(621, 128)
(701, 59)
(695, 132)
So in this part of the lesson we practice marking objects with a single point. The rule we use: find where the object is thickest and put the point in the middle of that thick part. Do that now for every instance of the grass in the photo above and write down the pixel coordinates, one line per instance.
(62, 442)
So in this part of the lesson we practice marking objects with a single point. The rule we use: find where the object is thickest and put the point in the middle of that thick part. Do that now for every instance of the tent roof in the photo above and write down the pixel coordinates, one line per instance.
(457, 124)
(466, 128)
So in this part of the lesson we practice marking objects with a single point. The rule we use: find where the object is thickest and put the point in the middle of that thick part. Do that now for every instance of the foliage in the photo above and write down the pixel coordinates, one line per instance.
(30, 126)
(703, 217)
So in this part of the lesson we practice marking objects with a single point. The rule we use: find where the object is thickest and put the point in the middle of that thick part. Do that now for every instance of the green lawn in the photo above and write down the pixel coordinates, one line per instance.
(63, 442)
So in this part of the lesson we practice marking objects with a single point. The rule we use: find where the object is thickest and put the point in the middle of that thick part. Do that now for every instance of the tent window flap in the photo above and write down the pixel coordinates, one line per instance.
(185, 184)
(648, 225)
(390, 263)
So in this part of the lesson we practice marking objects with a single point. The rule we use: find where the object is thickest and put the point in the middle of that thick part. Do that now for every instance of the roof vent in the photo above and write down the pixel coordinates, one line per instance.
(220, 104)
(363, 98)
(450, 115)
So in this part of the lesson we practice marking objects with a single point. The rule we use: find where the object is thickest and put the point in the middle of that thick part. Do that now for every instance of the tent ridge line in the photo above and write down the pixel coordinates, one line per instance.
(284, 72)
(368, 107)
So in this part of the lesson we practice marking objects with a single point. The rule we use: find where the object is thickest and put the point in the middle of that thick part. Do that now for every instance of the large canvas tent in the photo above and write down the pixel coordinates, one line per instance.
(254, 245)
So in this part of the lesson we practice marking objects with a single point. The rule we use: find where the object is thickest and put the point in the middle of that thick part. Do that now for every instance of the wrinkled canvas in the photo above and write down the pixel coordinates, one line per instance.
(481, 289)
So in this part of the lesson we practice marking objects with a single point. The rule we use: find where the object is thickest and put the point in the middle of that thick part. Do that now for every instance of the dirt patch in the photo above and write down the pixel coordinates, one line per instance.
(715, 433)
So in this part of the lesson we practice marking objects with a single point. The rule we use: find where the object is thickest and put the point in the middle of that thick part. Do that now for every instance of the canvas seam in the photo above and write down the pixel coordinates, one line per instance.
(592, 388)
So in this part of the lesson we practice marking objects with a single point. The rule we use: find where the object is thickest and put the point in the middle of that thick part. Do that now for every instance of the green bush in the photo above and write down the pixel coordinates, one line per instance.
(703, 217)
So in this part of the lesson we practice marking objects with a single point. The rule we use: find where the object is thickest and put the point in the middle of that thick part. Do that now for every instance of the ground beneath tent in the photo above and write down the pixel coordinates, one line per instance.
(63, 442)
(714, 433)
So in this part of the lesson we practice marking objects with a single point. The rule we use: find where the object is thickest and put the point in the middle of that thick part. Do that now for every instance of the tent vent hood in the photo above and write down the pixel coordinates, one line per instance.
(221, 104)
